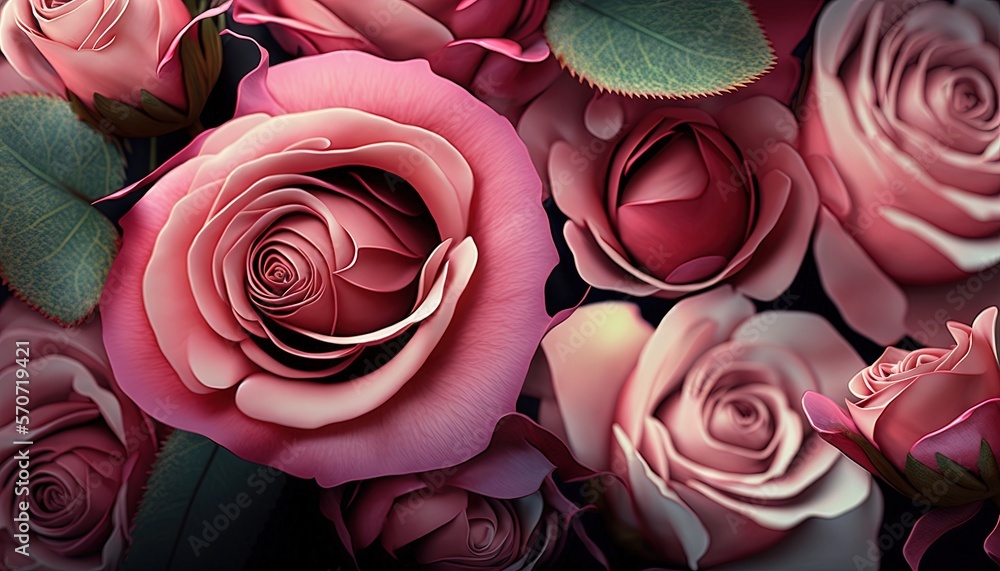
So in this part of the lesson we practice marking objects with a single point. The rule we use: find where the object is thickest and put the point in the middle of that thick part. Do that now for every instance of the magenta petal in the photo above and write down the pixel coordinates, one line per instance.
(930, 527)
(992, 544)
(960, 440)
(833, 424)
(533, 54)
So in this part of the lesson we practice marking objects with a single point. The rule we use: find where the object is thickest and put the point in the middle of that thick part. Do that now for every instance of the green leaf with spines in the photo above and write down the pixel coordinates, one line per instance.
(55, 249)
(188, 517)
(677, 49)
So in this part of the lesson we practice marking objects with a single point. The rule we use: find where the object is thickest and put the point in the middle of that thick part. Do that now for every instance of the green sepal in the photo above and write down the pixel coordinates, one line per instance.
(948, 489)
(201, 63)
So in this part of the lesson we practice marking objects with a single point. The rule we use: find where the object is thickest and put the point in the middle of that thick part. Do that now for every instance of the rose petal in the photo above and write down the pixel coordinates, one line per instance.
(931, 526)
(589, 356)
(845, 269)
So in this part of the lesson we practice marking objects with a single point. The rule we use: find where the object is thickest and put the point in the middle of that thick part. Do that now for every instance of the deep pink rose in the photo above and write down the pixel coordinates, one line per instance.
(500, 510)
(900, 128)
(493, 47)
(112, 47)
(913, 406)
(667, 200)
(91, 453)
(342, 265)
(701, 419)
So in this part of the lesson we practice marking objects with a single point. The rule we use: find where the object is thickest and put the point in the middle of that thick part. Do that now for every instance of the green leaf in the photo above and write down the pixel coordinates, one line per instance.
(204, 508)
(989, 469)
(680, 48)
(55, 249)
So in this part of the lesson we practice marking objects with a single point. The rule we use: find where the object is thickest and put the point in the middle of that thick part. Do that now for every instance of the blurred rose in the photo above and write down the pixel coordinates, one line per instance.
(500, 510)
(91, 452)
(112, 47)
(493, 47)
(331, 265)
(672, 200)
(916, 406)
(701, 419)
(902, 131)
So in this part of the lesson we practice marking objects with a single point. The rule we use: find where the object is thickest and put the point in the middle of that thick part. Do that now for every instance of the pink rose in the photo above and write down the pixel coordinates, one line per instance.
(499, 510)
(10, 80)
(494, 47)
(341, 265)
(901, 131)
(110, 47)
(672, 200)
(701, 420)
(915, 406)
(92, 448)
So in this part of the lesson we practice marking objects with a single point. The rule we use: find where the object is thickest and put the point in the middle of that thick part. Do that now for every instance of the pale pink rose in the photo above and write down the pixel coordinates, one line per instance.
(341, 265)
(665, 200)
(914, 406)
(493, 47)
(113, 47)
(701, 419)
(902, 132)
(499, 511)
(91, 453)
(10, 80)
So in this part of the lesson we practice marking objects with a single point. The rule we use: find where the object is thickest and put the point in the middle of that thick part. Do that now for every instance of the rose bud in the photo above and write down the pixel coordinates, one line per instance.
(667, 200)
(928, 423)
(136, 69)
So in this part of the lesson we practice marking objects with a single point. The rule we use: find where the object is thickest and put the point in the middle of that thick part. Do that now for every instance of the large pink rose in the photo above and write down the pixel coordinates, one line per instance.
(91, 447)
(911, 408)
(668, 200)
(111, 47)
(342, 265)
(494, 47)
(700, 418)
(499, 511)
(901, 134)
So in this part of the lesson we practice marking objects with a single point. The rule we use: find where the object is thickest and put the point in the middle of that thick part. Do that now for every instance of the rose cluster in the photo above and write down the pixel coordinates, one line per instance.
(511, 319)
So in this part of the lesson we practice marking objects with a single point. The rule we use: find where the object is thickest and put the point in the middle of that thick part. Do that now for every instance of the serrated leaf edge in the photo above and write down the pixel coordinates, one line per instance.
(673, 96)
